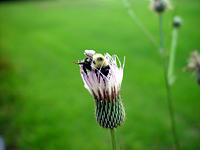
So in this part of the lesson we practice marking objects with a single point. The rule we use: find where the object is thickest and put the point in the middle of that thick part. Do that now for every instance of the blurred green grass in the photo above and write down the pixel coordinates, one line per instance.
(54, 111)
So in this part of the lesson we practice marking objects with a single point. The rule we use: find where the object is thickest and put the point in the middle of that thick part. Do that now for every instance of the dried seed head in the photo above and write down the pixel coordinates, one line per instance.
(159, 6)
(177, 22)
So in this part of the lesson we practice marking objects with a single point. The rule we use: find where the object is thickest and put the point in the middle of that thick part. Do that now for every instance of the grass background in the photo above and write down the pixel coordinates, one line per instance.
(43, 104)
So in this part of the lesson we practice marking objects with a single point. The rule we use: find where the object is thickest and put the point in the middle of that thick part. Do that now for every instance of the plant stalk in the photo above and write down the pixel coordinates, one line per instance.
(171, 76)
(112, 133)
(167, 86)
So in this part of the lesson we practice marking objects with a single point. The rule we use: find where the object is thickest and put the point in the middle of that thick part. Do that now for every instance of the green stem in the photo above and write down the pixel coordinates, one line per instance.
(168, 90)
(112, 133)
(171, 76)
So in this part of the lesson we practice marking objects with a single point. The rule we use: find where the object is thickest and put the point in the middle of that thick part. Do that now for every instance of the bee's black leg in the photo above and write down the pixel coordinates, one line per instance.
(84, 69)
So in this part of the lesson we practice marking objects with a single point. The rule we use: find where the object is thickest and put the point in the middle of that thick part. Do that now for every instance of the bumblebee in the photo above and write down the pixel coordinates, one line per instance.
(100, 63)
(96, 62)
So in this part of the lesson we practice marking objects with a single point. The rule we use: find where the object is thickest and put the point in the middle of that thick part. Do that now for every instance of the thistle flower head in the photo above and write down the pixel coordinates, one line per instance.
(102, 77)
(194, 64)
(159, 6)
(101, 86)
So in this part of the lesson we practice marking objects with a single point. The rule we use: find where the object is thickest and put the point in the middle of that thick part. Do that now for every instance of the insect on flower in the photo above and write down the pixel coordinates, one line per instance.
(102, 77)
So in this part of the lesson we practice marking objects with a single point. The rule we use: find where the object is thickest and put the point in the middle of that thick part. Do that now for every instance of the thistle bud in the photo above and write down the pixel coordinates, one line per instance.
(104, 85)
(177, 22)
(159, 6)
(194, 64)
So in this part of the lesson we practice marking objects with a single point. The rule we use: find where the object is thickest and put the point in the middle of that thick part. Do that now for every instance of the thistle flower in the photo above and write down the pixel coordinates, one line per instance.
(159, 6)
(194, 64)
(104, 87)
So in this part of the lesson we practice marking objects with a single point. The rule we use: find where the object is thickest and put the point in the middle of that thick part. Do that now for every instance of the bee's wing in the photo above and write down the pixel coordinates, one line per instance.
(89, 53)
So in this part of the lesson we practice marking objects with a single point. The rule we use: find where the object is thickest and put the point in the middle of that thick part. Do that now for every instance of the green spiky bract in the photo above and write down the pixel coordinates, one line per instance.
(109, 114)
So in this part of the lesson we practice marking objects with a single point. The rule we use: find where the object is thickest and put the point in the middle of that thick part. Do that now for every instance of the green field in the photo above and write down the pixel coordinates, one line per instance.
(43, 103)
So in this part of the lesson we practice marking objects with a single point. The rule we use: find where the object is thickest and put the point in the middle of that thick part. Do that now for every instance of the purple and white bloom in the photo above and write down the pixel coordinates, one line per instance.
(102, 77)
